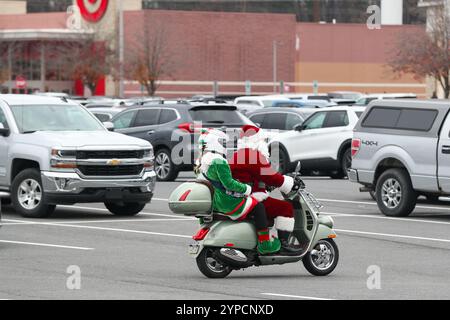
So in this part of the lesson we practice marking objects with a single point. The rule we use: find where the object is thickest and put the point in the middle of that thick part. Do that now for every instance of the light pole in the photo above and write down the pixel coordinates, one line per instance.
(274, 64)
(121, 46)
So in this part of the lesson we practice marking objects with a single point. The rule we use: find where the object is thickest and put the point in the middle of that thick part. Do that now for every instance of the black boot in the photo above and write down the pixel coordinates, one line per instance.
(289, 245)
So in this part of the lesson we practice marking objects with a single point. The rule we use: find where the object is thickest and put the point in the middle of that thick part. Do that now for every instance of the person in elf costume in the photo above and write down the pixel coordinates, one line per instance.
(232, 198)
(250, 164)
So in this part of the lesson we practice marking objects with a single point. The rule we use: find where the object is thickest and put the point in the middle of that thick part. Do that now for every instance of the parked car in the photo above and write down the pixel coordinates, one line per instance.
(365, 100)
(247, 104)
(105, 114)
(304, 96)
(106, 104)
(280, 119)
(401, 150)
(344, 97)
(53, 151)
(165, 126)
(322, 142)
(303, 104)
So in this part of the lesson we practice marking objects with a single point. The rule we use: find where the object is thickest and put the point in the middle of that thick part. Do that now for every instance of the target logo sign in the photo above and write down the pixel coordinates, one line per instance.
(92, 10)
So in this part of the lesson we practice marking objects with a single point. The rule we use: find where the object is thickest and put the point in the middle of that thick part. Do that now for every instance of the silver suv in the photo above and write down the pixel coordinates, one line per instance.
(400, 150)
(53, 151)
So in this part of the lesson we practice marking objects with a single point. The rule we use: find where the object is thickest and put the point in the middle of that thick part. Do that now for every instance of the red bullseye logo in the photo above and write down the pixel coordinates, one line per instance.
(92, 10)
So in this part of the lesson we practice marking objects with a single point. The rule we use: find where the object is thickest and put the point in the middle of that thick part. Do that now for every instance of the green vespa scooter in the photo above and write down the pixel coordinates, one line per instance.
(223, 245)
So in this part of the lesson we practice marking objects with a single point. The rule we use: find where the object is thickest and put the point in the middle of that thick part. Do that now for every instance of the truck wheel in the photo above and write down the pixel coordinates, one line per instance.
(346, 161)
(395, 194)
(210, 266)
(322, 259)
(164, 167)
(125, 208)
(28, 197)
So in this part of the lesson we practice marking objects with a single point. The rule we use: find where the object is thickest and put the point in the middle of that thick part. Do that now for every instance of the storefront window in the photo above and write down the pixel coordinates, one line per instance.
(26, 60)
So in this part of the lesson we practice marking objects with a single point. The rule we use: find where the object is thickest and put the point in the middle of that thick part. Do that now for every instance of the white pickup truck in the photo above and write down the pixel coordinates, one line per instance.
(53, 151)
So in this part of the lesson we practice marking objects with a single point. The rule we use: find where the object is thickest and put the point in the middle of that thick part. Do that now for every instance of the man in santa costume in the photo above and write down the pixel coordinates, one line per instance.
(251, 165)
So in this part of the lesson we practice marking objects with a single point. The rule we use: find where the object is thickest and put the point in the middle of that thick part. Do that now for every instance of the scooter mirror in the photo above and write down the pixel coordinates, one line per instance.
(298, 167)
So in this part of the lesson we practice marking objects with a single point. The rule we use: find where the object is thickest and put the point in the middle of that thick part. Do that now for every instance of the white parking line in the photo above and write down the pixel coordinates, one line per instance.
(109, 229)
(392, 235)
(354, 202)
(354, 215)
(45, 245)
(374, 204)
(142, 213)
(293, 296)
(187, 236)
(22, 222)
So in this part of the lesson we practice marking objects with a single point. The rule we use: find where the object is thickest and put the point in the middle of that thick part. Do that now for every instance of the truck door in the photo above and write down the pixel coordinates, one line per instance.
(443, 156)
(3, 150)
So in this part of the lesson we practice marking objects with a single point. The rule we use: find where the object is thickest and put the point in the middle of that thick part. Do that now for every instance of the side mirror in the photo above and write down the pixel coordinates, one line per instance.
(109, 125)
(300, 127)
(298, 167)
(4, 131)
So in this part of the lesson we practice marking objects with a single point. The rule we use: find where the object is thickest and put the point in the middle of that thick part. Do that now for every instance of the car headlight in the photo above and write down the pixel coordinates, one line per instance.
(63, 159)
(149, 159)
(148, 153)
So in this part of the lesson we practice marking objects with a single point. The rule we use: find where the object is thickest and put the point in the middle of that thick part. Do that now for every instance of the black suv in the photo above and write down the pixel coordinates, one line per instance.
(165, 126)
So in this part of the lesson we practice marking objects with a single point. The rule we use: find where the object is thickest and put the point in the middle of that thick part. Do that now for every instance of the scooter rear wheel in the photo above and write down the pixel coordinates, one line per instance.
(323, 258)
(210, 266)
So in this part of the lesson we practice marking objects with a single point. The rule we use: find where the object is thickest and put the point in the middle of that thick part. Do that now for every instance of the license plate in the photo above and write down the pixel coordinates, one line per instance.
(193, 248)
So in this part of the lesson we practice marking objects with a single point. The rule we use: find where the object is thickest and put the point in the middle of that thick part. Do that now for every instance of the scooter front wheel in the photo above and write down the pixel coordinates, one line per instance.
(209, 265)
(323, 258)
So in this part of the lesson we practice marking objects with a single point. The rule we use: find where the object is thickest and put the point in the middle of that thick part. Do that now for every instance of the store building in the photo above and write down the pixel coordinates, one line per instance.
(229, 51)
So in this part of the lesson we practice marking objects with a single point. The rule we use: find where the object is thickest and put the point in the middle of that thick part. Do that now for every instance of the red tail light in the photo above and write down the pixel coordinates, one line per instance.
(189, 127)
(201, 234)
(356, 144)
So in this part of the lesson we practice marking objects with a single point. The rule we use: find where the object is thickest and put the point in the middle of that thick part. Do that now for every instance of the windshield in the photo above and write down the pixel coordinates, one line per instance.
(31, 118)
(218, 116)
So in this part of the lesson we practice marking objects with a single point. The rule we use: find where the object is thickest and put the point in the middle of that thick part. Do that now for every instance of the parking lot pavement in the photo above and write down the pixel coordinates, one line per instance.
(145, 256)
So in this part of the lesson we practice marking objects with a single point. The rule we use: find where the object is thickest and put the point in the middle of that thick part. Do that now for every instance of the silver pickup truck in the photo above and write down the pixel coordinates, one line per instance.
(53, 151)
(401, 150)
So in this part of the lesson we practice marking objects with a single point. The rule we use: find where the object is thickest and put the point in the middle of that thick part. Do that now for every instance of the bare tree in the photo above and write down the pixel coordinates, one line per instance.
(425, 53)
(150, 59)
(4, 68)
(88, 60)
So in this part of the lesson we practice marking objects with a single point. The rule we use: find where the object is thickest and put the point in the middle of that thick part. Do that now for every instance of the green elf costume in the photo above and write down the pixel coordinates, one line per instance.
(231, 197)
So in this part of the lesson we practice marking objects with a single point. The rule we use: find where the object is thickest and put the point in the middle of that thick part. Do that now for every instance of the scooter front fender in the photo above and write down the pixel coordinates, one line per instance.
(238, 235)
(323, 232)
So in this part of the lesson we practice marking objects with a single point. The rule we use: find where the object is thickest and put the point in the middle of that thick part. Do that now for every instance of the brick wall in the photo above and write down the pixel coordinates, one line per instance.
(208, 46)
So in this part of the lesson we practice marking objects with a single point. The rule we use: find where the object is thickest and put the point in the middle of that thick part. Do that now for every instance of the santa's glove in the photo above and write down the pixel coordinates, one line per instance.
(248, 191)
(260, 196)
(287, 185)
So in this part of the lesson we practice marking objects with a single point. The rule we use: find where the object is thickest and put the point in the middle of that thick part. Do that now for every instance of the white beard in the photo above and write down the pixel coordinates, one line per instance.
(256, 142)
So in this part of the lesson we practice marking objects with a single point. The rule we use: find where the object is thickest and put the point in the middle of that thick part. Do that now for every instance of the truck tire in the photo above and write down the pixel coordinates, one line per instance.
(28, 196)
(395, 195)
(125, 209)
(164, 167)
(346, 161)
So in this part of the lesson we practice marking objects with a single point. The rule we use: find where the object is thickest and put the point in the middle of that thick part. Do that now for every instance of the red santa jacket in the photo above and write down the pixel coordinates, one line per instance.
(250, 166)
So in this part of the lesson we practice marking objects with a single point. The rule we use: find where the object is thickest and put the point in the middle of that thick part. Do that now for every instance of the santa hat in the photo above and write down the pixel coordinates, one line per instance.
(249, 130)
(253, 138)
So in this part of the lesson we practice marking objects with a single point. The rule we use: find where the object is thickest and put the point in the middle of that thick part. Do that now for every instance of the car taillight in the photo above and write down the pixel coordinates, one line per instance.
(356, 144)
(189, 127)
(201, 234)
